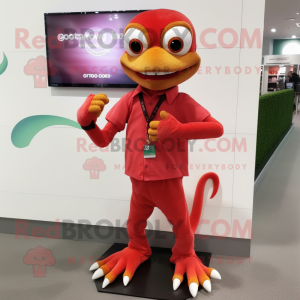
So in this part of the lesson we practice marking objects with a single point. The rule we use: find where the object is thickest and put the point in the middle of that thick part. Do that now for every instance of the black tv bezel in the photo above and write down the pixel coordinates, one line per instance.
(86, 84)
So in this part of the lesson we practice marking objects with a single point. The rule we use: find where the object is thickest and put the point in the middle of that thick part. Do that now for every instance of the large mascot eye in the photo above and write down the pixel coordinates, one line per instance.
(135, 42)
(177, 40)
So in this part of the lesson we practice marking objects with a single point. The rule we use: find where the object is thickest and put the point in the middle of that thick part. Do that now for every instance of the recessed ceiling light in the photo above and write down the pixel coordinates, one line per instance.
(292, 19)
(273, 30)
(297, 13)
(293, 36)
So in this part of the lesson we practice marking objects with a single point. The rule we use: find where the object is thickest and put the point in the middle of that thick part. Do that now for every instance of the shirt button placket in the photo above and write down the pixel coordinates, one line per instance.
(146, 170)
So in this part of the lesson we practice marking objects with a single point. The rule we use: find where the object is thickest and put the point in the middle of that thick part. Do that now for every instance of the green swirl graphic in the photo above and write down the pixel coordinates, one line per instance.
(26, 129)
(4, 64)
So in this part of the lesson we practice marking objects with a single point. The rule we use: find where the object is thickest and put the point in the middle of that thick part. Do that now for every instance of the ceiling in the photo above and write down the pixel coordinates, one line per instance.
(276, 13)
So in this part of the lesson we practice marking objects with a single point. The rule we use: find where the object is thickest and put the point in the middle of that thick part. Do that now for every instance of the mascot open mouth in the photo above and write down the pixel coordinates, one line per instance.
(163, 75)
(145, 71)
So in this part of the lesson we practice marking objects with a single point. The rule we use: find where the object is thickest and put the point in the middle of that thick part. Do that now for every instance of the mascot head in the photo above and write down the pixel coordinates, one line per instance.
(160, 49)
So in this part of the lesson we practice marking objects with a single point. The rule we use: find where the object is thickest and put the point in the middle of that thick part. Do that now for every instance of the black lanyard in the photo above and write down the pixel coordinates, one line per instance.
(158, 104)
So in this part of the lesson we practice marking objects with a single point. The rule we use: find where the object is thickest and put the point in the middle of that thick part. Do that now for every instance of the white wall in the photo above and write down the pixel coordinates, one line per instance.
(46, 180)
(267, 46)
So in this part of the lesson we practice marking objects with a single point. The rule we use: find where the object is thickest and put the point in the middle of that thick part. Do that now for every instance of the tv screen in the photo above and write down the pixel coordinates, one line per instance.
(84, 49)
(289, 85)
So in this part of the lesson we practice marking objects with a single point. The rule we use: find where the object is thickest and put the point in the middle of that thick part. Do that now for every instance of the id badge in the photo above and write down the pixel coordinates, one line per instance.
(149, 151)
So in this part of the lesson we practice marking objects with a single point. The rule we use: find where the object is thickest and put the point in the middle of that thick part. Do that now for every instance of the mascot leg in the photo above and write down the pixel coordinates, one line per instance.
(138, 249)
(169, 197)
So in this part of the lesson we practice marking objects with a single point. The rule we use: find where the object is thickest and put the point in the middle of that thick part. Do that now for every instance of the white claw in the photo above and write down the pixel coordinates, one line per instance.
(99, 273)
(94, 266)
(193, 289)
(105, 283)
(207, 285)
(176, 284)
(215, 274)
(125, 280)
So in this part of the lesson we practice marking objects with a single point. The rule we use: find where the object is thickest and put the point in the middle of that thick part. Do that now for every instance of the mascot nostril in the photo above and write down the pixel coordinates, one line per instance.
(160, 53)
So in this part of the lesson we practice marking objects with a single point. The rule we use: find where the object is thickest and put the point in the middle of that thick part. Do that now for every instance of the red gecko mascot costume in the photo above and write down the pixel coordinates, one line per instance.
(160, 54)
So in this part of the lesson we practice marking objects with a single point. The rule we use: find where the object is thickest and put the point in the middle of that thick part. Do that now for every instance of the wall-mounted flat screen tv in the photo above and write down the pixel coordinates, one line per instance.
(84, 48)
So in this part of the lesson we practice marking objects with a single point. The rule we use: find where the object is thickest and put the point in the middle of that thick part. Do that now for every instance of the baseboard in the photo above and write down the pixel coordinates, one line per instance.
(271, 159)
(105, 234)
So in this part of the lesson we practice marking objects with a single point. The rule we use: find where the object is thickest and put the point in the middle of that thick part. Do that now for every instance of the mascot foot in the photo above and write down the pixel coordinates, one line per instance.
(196, 273)
(126, 260)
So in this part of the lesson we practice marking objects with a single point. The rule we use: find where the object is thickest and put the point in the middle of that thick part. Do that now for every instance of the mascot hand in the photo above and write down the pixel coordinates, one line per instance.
(168, 127)
(91, 109)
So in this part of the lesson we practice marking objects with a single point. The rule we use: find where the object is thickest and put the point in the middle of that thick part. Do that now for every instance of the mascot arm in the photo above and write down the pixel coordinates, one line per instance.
(87, 116)
(102, 138)
(170, 127)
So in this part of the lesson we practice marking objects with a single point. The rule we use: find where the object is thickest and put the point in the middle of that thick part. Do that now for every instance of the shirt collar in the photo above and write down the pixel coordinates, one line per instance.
(171, 93)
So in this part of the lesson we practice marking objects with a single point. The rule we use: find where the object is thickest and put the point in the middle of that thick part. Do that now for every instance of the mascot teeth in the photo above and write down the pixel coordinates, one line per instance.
(157, 73)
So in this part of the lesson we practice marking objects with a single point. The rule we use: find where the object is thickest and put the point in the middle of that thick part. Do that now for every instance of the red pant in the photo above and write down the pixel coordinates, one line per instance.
(168, 196)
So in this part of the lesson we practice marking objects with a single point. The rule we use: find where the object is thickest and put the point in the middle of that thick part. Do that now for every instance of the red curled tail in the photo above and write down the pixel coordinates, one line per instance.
(198, 199)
